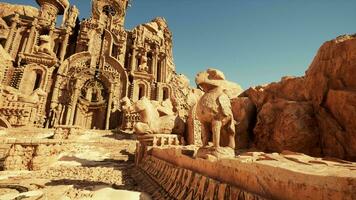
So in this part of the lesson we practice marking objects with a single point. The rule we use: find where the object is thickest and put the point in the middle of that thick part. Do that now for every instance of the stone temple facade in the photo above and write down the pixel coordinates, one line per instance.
(74, 73)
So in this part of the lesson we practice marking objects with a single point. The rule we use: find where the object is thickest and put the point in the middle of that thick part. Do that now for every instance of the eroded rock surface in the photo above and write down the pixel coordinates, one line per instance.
(10, 9)
(315, 113)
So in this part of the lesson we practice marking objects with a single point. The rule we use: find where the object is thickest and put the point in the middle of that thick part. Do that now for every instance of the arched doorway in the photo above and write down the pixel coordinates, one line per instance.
(91, 110)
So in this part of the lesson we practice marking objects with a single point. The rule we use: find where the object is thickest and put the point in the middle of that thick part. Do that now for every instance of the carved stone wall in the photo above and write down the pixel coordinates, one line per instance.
(59, 58)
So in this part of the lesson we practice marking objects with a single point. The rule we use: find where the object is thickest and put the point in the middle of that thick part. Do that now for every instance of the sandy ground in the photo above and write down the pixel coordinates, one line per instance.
(98, 167)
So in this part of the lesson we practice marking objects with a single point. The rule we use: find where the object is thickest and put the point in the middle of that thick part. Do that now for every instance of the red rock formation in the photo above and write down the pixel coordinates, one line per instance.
(314, 114)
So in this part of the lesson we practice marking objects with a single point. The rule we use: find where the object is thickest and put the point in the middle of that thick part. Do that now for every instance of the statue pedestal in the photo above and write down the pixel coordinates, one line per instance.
(215, 153)
(148, 141)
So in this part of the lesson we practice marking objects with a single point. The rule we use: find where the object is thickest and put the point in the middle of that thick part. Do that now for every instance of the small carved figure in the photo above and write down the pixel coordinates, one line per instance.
(156, 118)
(45, 46)
(72, 16)
(143, 65)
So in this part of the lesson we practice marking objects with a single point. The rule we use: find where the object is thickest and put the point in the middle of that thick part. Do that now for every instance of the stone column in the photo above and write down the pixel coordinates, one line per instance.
(10, 38)
(68, 114)
(131, 88)
(154, 64)
(108, 112)
(133, 59)
(158, 89)
(31, 37)
(51, 29)
(164, 69)
(74, 107)
(74, 104)
(55, 93)
(50, 34)
(64, 46)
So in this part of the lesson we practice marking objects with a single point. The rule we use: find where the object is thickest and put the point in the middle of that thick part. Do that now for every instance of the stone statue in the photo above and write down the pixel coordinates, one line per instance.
(214, 112)
(156, 118)
(71, 16)
(45, 46)
(143, 65)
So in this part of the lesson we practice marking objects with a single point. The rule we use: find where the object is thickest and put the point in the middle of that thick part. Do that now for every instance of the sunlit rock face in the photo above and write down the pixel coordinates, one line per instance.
(313, 114)
(10, 9)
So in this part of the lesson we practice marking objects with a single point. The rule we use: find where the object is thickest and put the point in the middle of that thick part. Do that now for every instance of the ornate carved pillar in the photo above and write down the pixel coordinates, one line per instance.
(10, 38)
(64, 46)
(154, 64)
(68, 114)
(153, 91)
(55, 93)
(73, 105)
(132, 87)
(50, 34)
(32, 36)
(164, 69)
(133, 59)
(108, 112)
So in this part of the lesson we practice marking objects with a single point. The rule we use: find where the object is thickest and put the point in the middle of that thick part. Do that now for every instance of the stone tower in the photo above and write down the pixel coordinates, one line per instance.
(51, 8)
(112, 12)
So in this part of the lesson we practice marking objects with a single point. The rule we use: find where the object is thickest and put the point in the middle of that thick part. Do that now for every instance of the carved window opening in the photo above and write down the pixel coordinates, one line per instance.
(141, 91)
(138, 62)
(159, 71)
(41, 32)
(127, 58)
(94, 91)
(115, 51)
(37, 81)
(57, 48)
(23, 41)
(44, 32)
(150, 60)
(165, 93)
(109, 10)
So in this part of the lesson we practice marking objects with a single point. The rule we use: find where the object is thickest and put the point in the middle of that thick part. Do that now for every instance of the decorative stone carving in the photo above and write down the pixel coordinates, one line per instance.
(132, 63)
(143, 65)
(215, 113)
(156, 118)
(45, 46)
(72, 16)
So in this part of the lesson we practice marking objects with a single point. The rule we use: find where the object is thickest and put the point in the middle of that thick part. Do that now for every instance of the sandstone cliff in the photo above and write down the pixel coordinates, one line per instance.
(10, 9)
(314, 114)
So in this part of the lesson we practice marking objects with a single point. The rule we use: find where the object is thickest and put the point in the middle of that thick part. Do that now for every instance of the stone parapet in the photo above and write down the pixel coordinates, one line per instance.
(172, 182)
(254, 174)
(148, 141)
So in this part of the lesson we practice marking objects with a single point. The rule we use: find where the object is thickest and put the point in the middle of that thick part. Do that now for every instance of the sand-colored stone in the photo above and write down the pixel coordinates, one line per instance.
(10, 9)
(214, 110)
(155, 117)
(90, 110)
(85, 72)
(262, 175)
(244, 112)
(316, 110)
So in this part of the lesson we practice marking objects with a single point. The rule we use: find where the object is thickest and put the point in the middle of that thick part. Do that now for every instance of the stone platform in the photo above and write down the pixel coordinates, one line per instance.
(252, 175)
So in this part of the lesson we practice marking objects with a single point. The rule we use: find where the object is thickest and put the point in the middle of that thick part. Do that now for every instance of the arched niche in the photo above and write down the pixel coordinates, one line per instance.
(165, 93)
(34, 77)
(142, 89)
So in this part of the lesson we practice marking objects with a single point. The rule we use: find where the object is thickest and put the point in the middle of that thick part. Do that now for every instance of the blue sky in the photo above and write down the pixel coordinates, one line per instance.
(252, 41)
